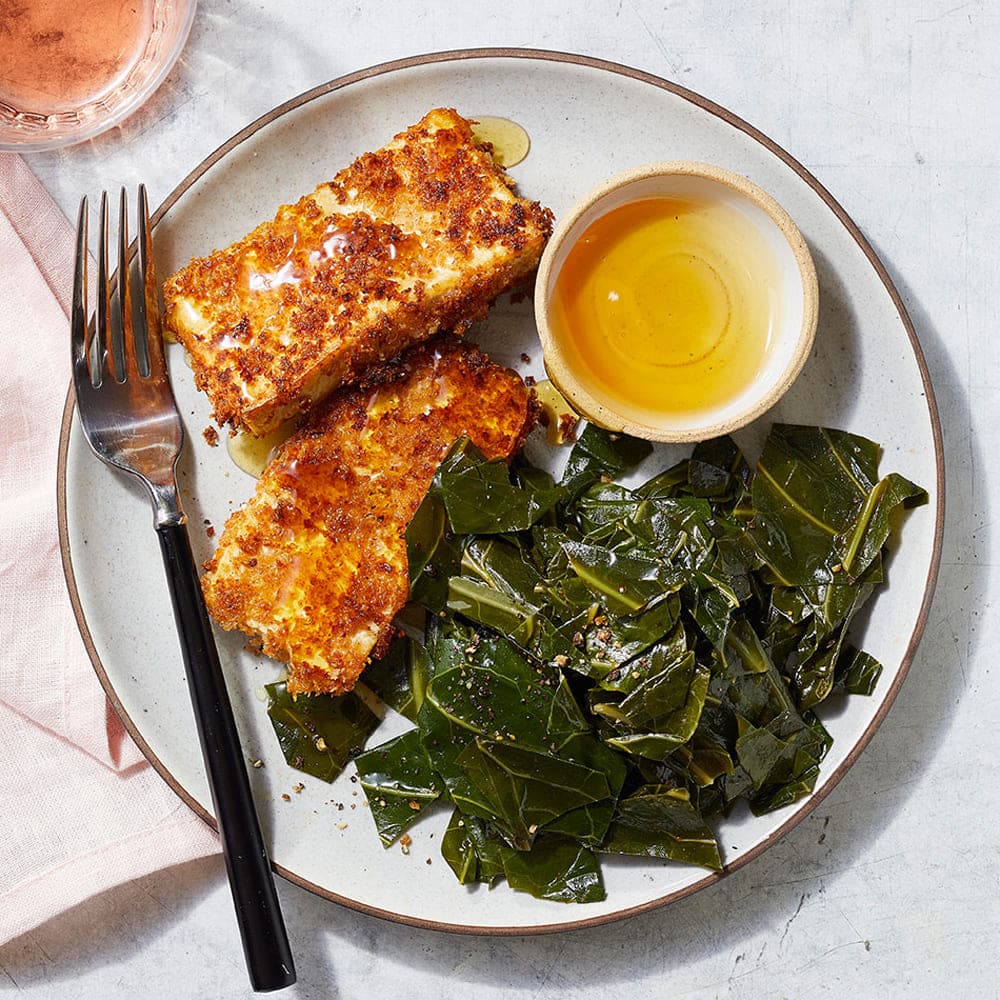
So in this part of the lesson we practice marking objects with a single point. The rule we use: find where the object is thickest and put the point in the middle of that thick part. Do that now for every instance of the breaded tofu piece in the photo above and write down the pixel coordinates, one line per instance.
(315, 563)
(417, 237)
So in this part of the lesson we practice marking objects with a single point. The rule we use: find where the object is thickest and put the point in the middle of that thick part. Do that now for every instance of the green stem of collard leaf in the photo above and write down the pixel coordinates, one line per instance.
(793, 503)
(854, 542)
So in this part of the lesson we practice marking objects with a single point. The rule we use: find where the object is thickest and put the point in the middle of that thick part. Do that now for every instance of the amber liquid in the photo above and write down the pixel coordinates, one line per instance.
(252, 454)
(509, 140)
(57, 56)
(666, 306)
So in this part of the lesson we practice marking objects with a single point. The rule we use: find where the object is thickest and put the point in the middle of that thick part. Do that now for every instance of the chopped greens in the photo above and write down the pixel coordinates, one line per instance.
(319, 733)
(399, 781)
(608, 670)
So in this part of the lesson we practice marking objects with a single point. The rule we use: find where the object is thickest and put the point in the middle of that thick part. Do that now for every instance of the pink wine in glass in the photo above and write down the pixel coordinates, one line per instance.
(69, 68)
(57, 56)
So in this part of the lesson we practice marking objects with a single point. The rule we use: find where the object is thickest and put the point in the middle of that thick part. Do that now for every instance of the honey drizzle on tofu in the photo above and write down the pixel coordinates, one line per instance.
(417, 237)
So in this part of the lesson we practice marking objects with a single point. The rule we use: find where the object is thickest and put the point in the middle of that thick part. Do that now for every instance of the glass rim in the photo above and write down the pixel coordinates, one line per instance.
(41, 131)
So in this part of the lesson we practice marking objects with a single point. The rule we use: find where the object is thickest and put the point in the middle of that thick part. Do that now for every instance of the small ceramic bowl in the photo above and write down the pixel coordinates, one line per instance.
(795, 318)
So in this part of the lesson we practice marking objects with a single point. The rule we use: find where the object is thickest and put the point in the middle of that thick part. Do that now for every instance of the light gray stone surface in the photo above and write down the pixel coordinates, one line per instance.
(893, 884)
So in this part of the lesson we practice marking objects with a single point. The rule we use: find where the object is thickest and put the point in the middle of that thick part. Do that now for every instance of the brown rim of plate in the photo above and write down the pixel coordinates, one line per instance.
(574, 389)
(834, 777)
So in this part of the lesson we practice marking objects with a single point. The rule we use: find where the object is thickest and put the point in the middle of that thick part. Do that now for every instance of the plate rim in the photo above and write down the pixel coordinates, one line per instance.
(642, 76)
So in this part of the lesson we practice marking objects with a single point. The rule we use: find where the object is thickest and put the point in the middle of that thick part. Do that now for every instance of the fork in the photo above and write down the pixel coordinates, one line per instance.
(130, 420)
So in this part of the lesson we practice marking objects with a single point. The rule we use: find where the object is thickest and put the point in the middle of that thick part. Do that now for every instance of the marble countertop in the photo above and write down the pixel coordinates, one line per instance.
(893, 883)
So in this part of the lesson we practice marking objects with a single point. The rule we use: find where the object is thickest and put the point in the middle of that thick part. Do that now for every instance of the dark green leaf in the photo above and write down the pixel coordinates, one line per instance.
(481, 499)
(858, 672)
(525, 789)
(813, 663)
(598, 640)
(810, 486)
(669, 483)
(546, 494)
(863, 540)
(717, 469)
(588, 825)
(565, 717)
(484, 605)
(623, 639)
(555, 869)
(663, 824)
(623, 583)
(473, 852)
(680, 529)
(760, 753)
(704, 763)
(459, 850)
(661, 694)
(572, 737)
(785, 754)
(400, 677)
(663, 735)
(503, 567)
(606, 504)
(399, 783)
(319, 733)
(711, 607)
(601, 454)
(493, 693)
(745, 652)
(431, 552)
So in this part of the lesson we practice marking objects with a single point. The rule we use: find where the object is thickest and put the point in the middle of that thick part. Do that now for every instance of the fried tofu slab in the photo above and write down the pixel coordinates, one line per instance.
(417, 237)
(315, 564)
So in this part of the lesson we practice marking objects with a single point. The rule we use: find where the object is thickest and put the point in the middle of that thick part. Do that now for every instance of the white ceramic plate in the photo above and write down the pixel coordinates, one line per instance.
(586, 119)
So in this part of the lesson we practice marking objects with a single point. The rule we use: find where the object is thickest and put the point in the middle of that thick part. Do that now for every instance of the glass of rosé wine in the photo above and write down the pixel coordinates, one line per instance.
(68, 71)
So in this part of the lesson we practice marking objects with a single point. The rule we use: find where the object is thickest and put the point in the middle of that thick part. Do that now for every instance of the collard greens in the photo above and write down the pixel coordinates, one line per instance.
(608, 670)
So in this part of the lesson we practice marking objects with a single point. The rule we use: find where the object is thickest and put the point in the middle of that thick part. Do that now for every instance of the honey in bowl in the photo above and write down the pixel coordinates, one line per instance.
(667, 306)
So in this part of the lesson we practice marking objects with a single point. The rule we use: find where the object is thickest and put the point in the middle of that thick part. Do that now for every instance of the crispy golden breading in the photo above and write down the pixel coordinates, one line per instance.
(315, 564)
(417, 237)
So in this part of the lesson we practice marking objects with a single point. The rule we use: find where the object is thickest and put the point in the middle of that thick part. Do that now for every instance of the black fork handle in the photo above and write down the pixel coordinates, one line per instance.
(265, 943)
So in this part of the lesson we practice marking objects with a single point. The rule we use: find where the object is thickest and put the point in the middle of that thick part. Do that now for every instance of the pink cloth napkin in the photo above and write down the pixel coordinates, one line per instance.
(81, 810)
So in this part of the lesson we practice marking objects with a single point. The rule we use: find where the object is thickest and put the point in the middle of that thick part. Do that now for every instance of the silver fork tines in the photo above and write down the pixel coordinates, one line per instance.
(123, 394)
